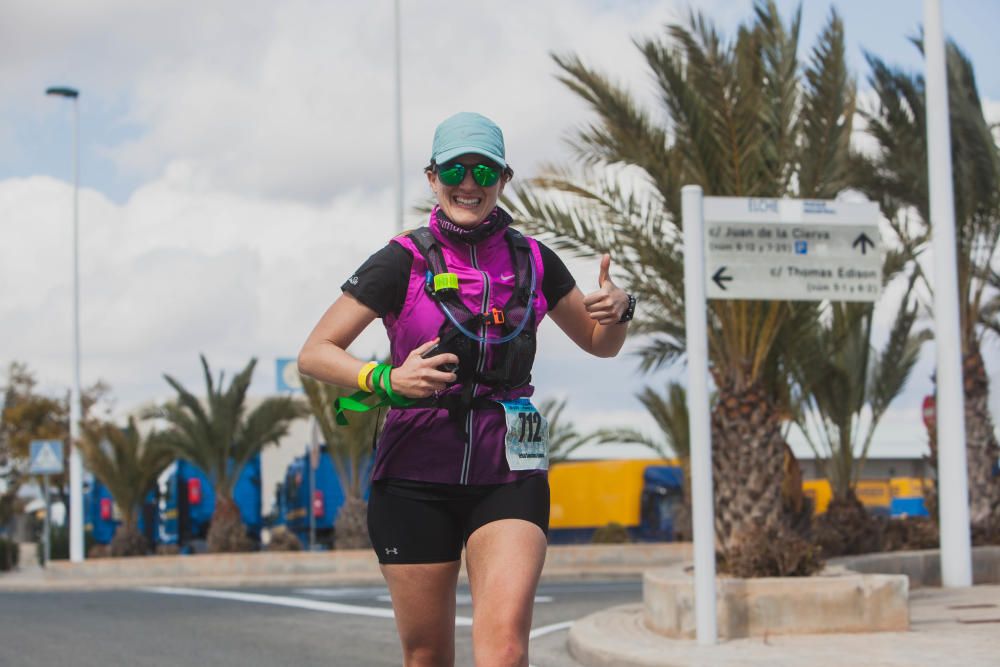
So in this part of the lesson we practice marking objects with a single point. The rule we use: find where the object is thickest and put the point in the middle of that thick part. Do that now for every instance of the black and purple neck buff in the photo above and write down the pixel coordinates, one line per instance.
(497, 221)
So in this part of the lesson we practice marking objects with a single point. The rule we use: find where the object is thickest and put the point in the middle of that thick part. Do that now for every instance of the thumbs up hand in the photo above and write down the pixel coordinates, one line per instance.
(608, 303)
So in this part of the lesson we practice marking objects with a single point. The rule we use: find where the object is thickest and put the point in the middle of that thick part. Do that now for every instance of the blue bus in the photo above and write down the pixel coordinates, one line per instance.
(293, 503)
(187, 501)
(101, 515)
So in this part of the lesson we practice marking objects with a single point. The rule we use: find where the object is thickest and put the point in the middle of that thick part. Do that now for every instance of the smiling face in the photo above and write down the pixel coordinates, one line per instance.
(468, 203)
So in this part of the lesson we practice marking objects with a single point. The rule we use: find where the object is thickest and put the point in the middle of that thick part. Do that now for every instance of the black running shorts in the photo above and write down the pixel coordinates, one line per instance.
(417, 522)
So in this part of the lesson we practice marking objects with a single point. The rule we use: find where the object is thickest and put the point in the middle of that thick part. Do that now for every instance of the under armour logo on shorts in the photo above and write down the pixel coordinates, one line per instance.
(391, 552)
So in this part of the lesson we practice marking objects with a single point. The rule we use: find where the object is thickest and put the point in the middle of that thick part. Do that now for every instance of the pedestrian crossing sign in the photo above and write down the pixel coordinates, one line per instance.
(46, 457)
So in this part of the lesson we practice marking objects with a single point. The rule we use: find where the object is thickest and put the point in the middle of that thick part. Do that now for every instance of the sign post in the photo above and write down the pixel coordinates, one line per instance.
(952, 458)
(46, 459)
(289, 380)
(759, 249)
(696, 324)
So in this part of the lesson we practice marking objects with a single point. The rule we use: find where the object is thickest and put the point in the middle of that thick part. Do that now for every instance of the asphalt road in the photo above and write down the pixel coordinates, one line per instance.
(293, 627)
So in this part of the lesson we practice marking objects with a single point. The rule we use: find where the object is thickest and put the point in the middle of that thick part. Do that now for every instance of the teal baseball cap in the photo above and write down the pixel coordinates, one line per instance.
(468, 132)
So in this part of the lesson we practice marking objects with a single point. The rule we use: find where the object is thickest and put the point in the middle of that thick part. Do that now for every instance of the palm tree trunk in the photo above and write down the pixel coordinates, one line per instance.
(227, 532)
(128, 540)
(980, 443)
(747, 463)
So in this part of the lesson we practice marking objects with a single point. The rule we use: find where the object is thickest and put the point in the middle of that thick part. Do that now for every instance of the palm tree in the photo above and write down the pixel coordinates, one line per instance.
(564, 439)
(740, 118)
(127, 463)
(350, 448)
(846, 388)
(220, 438)
(669, 411)
(897, 178)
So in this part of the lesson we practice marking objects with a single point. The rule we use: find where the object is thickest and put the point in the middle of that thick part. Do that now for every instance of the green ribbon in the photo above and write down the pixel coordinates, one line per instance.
(382, 388)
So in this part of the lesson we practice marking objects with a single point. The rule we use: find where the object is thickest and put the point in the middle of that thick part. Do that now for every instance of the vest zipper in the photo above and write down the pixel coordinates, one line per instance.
(480, 364)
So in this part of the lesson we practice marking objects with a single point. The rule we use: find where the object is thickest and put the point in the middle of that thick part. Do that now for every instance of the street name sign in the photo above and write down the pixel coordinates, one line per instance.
(46, 457)
(792, 249)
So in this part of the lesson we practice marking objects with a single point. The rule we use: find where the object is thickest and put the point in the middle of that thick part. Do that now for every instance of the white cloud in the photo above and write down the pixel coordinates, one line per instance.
(263, 139)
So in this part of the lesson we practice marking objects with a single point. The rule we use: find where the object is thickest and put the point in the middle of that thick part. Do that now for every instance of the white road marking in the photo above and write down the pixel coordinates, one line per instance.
(548, 629)
(284, 601)
(466, 599)
(327, 607)
(373, 591)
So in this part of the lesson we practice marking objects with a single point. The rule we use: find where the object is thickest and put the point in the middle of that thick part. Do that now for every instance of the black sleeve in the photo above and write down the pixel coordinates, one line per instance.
(556, 279)
(381, 282)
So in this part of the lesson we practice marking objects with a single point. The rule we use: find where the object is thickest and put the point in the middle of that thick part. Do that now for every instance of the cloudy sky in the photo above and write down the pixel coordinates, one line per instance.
(238, 162)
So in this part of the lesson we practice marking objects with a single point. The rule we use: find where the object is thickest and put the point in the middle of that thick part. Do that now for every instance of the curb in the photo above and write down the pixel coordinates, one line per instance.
(563, 563)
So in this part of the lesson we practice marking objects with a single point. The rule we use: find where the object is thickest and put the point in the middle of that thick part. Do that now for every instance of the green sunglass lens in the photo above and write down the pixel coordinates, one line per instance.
(453, 175)
(485, 175)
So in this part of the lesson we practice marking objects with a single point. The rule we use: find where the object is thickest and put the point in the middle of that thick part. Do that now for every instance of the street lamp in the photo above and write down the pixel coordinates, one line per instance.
(75, 409)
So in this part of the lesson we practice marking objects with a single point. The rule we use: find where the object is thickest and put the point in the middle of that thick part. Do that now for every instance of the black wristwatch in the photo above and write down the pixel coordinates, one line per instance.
(629, 312)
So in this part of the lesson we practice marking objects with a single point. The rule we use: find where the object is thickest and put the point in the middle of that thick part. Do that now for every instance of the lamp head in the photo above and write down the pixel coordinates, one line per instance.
(63, 91)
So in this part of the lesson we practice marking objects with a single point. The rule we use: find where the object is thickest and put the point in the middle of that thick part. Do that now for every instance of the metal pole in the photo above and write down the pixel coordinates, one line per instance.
(313, 443)
(47, 529)
(399, 119)
(75, 408)
(953, 496)
(703, 519)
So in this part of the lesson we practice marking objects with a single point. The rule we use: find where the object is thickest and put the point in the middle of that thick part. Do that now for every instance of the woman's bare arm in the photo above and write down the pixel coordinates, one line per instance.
(324, 355)
(591, 321)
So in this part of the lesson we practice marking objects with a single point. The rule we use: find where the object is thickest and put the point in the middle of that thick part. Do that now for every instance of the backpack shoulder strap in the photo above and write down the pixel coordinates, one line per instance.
(428, 246)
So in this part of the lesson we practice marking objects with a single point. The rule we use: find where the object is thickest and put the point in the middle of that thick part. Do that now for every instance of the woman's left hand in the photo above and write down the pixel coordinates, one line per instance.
(608, 303)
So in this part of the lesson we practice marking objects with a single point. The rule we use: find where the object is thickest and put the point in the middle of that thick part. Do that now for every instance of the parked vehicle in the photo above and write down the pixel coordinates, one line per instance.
(293, 499)
(101, 515)
(896, 497)
(643, 497)
(638, 494)
(187, 501)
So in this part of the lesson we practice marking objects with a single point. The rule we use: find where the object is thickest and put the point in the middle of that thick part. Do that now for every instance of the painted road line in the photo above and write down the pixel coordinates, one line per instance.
(285, 601)
(466, 599)
(549, 629)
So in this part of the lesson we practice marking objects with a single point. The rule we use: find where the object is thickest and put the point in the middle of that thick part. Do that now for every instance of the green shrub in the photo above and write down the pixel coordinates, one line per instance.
(10, 553)
(283, 539)
(771, 552)
(613, 533)
(60, 543)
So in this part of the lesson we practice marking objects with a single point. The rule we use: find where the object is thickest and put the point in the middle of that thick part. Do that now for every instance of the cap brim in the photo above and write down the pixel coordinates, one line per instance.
(453, 153)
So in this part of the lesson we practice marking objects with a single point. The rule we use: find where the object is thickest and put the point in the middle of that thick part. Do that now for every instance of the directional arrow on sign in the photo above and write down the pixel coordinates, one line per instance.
(719, 278)
(863, 240)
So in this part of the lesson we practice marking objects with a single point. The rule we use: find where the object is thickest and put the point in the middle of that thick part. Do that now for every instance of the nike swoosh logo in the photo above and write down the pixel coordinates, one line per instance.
(510, 277)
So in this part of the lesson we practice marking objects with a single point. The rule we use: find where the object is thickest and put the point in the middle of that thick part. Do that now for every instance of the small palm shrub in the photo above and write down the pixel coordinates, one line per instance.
(283, 539)
(771, 552)
(613, 533)
(10, 552)
(846, 528)
(911, 533)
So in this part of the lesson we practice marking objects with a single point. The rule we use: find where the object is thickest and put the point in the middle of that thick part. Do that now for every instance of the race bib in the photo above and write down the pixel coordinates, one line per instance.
(527, 436)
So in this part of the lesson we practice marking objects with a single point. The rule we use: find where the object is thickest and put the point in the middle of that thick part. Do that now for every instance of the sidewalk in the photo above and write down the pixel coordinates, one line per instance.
(948, 628)
(360, 566)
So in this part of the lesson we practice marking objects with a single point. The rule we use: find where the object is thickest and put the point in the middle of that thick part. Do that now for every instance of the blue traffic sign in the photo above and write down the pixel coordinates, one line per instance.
(46, 457)
(287, 372)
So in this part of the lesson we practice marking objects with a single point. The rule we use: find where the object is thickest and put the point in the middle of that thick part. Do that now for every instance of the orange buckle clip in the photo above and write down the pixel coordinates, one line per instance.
(495, 316)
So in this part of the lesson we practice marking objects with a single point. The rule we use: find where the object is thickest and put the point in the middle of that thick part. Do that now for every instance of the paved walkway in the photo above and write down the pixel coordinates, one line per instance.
(948, 628)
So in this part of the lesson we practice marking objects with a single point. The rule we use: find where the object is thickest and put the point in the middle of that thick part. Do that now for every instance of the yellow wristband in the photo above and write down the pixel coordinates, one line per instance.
(363, 375)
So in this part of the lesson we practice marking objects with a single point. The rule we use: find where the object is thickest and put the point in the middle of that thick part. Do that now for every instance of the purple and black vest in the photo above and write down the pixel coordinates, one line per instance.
(427, 443)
